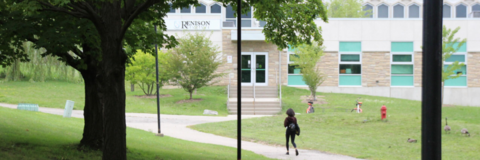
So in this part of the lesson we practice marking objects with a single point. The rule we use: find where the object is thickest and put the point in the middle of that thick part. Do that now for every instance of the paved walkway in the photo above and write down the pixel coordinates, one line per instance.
(176, 126)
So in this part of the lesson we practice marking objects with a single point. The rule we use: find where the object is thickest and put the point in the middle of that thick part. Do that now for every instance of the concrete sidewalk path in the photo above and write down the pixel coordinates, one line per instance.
(176, 126)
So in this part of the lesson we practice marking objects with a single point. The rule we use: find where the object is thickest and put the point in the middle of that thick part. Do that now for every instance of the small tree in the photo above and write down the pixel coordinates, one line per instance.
(194, 62)
(306, 59)
(347, 9)
(142, 71)
(450, 45)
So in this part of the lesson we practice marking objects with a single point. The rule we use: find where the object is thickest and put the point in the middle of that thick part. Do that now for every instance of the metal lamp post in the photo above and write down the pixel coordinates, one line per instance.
(158, 93)
(239, 80)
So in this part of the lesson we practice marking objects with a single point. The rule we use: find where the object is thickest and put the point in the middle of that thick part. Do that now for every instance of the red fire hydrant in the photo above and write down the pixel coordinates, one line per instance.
(383, 111)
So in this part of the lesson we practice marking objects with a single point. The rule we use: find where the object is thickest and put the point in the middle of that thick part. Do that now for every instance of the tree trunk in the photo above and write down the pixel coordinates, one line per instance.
(111, 82)
(191, 94)
(93, 112)
(132, 87)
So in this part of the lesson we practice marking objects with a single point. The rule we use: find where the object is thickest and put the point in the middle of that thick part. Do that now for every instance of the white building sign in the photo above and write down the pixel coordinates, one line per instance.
(199, 24)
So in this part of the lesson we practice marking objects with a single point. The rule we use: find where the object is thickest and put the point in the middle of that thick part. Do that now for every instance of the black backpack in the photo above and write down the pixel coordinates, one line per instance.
(292, 127)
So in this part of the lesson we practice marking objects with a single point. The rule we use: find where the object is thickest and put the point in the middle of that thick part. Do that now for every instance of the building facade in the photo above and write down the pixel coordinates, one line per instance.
(380, 55)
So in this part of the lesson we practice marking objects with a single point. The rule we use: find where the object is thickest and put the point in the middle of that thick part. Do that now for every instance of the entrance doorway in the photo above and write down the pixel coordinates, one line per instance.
(254, 68)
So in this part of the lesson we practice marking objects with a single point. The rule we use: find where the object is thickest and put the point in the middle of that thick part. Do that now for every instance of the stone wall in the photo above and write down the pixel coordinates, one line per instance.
(376, 67)
(230, 49)
(473, 76)
(417, 69)
(328, 65)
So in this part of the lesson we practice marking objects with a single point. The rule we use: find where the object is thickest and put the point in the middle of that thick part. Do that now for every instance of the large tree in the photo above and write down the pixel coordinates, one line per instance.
(288, 21)
(76, 43)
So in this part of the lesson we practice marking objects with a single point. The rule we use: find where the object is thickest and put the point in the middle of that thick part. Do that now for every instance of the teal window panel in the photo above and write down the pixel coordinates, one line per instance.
(295, 80)
(453, 58)
(462, 48)
(402, 81)
(402, 69)
(463, 69)
(355, 80)
(402, 58)
(350, 58)
(402, 47)
(460, 81)
(350, 47)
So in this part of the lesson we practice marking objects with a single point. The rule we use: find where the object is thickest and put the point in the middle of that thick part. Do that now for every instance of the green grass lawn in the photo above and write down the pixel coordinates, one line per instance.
(55, 94)
(344, 133)
(35, 135)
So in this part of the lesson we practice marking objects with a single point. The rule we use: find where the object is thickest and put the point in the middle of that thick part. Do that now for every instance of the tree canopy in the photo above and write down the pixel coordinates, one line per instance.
(347, 9)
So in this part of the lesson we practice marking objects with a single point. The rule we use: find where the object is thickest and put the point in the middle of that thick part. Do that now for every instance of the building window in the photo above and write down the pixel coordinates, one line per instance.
(172, 10)
(186, 10)
(383, 11)
(476, 11)
(295, 76)
(350, 64)
(398, 11)
(461, 11)
(369, 10)
(262, 23)
(459, 56)
(414, 11)
(246, 17)
(446, 11)
(215, 9)
(402, 64)
(201, 9)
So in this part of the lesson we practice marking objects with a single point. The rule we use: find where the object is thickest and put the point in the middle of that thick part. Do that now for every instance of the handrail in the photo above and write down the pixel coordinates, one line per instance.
(228, 91)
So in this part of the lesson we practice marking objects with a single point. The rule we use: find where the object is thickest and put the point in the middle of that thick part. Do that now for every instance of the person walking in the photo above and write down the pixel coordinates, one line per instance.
(292, 128)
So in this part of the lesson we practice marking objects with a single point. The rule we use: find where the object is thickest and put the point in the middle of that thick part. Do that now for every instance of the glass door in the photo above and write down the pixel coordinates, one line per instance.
(260, 69)
(247, 69)
(254, 69)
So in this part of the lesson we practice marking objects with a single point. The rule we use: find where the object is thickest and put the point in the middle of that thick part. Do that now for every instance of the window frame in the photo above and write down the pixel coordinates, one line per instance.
(175, 9)
(444, 10)
(412, 62)
(191, 10)
(466, 10)
(372, 7)
(349, 62)
(241, 18)
(194, 11)
(378, 10)
(209, 9)
(393, 10)
(419, 10)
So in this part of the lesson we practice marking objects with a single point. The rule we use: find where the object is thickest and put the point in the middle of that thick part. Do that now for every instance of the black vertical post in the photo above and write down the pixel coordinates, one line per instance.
(239, 80)
(431, 80)
(158, 93)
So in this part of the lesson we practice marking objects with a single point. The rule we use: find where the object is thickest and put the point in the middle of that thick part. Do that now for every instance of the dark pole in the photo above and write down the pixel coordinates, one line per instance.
(431, 80)
(158, 93)
(239, 80)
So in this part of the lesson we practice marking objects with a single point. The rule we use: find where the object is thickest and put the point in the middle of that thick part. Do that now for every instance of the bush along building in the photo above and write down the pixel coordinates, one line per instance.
(378, 55)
